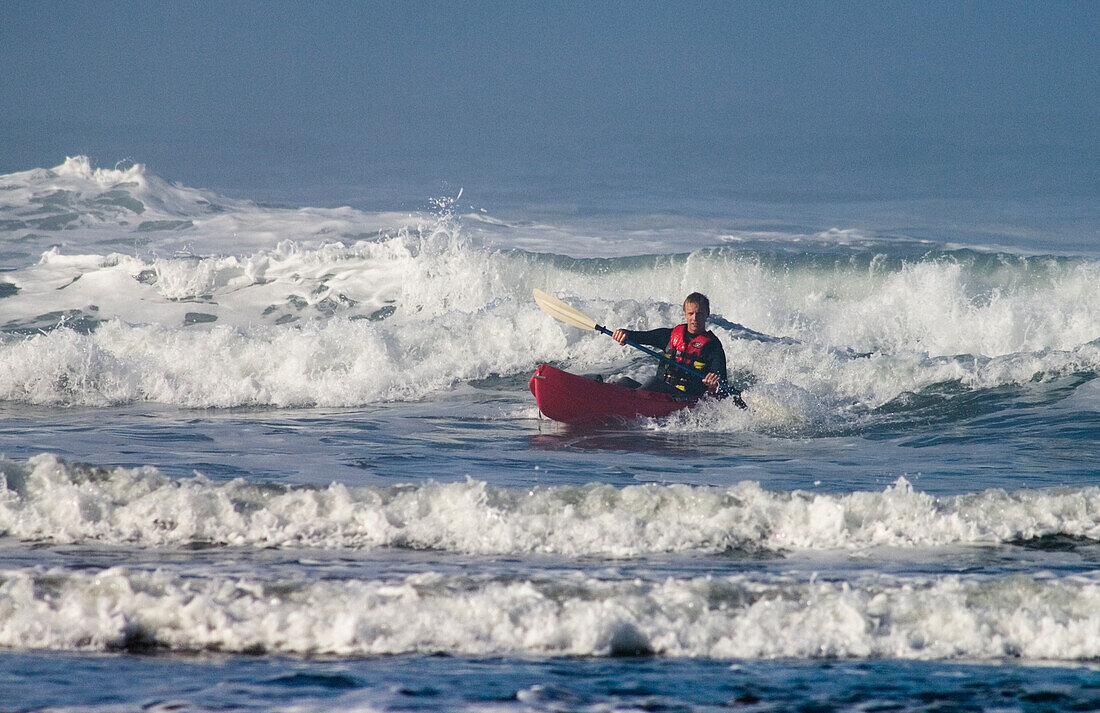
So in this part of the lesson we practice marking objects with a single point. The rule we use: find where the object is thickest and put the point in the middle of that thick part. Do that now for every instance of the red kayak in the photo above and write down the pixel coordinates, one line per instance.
(570, 398)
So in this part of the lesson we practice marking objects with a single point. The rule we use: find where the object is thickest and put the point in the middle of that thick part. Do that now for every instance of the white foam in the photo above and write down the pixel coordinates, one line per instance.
(254, 305)
(50, 500)
(78, 207)
(403, 318)
(570, 614)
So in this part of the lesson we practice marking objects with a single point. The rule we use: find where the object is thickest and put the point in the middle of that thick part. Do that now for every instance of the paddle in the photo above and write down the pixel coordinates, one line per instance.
(570, 315)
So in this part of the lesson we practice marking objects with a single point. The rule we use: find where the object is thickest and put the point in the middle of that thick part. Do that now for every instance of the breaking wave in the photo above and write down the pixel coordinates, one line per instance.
(48, 500)
(572, 614)
(154, 292)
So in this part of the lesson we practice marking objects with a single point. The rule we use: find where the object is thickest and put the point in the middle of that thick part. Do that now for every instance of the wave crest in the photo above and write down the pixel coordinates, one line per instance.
(51, 500)
(1034, 619)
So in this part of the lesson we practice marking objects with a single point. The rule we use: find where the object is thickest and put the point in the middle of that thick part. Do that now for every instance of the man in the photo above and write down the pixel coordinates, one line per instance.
(690, 344)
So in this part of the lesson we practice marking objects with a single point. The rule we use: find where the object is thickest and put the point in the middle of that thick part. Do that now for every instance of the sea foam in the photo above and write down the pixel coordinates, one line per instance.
(237, 304)
(1028, 618)
(46, 499)
(413, 315)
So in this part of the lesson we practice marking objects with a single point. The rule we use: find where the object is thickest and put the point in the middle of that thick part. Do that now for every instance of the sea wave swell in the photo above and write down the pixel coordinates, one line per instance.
(571, 614)
(45, 499)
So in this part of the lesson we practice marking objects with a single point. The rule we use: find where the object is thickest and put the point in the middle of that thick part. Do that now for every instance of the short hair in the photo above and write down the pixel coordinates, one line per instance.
(699, 300)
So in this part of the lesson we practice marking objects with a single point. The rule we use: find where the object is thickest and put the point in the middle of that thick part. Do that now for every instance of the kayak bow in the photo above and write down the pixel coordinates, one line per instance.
(573, 399)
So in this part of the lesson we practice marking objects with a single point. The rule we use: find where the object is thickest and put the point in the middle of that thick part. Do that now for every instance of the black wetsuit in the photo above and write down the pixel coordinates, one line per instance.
(713, 356)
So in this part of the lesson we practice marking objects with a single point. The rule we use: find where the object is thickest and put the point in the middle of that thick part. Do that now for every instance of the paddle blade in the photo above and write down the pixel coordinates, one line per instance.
(561, 311)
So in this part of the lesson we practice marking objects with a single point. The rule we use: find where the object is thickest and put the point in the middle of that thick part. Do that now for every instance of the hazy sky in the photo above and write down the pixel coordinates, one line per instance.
(495, 86)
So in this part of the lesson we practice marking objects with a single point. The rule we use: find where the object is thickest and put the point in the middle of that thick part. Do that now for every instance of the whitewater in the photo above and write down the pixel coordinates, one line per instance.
(335, 311)
(241, 436)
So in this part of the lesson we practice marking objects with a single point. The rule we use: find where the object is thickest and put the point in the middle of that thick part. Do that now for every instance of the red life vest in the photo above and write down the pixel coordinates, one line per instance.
(687, 353)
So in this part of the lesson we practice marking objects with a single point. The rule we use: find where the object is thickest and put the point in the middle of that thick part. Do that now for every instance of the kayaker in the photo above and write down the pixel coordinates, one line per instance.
(691, 344)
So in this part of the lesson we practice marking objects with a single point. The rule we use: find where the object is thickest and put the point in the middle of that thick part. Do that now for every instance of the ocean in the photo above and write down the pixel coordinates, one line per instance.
(274, 449)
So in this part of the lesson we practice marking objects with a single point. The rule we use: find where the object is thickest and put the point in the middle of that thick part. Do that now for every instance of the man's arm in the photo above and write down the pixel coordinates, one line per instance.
(716, 360)
(651, 338)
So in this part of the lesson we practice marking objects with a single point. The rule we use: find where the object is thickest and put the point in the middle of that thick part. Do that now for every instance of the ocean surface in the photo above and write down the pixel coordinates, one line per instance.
(269, 452)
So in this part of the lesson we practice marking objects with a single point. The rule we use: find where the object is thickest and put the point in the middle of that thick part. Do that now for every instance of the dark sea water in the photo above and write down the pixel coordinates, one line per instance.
(264, 452)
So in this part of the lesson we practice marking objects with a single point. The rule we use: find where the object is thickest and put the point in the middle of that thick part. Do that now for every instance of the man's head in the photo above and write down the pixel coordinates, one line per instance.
(696, 311)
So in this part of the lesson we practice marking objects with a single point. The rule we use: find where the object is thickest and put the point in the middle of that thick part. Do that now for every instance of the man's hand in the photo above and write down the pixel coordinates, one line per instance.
(711, 382)
(619, 336)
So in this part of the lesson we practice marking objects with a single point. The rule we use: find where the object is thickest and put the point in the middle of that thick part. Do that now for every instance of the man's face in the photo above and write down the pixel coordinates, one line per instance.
(696, 318)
